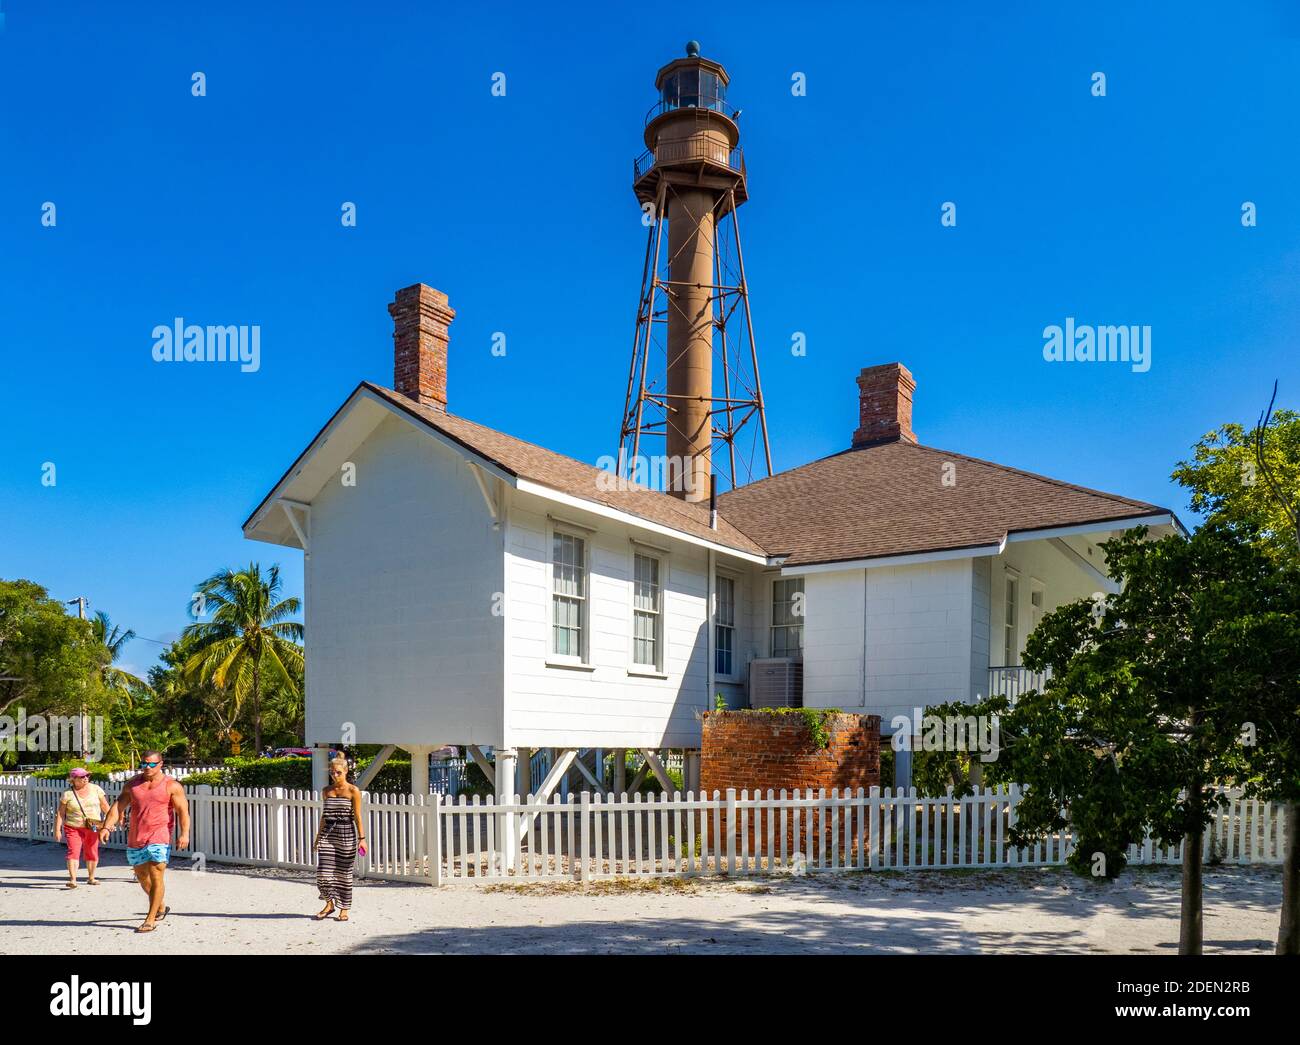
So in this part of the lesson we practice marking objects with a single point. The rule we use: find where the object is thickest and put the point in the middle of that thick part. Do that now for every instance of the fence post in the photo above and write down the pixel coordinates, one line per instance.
(201, 819)
(584, 833)
(31, 808)
(433, 836)
(731, 830)
(278, 821)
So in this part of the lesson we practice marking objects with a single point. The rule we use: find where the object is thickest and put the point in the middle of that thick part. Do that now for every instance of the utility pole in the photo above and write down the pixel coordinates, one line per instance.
(83, 723)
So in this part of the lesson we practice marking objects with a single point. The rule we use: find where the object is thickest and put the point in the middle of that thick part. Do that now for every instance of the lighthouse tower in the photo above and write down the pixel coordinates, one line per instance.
(694, 372)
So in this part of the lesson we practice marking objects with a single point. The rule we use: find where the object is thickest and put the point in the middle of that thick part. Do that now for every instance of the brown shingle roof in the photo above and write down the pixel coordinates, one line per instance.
(529, 461)
(889, 499)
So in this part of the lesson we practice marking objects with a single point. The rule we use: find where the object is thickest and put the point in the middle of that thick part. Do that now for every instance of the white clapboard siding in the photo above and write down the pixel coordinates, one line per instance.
(425, 838)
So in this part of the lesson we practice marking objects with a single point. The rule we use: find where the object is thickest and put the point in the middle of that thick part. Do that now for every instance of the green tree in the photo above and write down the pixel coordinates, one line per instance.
(49, 661)
(114, 640)
(121, 688)
(250, 641)
(1128, 734)
(1249, 480)
(197, 710)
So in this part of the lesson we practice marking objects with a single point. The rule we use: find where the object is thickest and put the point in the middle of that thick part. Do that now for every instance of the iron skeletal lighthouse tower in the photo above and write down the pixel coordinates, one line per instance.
(694, 372)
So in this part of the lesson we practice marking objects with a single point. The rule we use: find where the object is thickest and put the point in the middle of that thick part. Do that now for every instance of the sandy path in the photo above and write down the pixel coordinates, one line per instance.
(227, 910)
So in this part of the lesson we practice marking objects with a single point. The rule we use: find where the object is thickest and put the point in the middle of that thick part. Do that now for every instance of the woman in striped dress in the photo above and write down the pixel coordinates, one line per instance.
(337, 839)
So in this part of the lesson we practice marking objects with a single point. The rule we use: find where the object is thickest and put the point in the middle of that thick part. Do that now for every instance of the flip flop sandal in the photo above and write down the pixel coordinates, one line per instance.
(70, 885)
(146, 928)
(321, 917)
(93, 882)
(163, 914)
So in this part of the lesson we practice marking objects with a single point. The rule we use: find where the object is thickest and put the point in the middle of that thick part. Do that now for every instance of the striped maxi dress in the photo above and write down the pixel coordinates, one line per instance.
(336, 853)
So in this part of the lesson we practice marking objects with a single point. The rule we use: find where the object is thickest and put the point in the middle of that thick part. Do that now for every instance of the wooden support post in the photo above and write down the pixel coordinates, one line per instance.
(481, 760)
(372, 770)
(590, 777)
(620, 770)
(524, 772)
(657, 767)
(320, 762)
(419, 767)
(903, 769)
(507, 824)
(691, 771)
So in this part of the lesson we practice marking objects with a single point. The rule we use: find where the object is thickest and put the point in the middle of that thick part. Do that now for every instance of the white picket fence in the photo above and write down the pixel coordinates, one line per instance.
(428, 839)
(118, 775)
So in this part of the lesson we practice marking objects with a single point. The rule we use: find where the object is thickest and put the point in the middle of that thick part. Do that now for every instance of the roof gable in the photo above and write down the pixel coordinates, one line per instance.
(503, 454)
(891, 499)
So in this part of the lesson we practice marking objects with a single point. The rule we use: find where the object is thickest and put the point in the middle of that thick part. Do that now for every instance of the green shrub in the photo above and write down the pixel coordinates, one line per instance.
(60, 770)
(293, 772)
(814, 718)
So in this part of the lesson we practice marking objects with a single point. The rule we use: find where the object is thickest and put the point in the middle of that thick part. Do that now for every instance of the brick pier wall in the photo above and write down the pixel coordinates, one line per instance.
(756, 751)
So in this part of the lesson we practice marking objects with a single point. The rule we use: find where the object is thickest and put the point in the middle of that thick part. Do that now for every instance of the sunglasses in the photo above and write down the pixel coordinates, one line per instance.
(150, 765)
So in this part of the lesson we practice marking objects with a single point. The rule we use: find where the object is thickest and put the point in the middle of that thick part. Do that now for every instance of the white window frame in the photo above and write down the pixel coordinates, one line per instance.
(734, 581)
(582, 660)
(657, 555)
(771, 617)
(1009, 626)
(1039, 589)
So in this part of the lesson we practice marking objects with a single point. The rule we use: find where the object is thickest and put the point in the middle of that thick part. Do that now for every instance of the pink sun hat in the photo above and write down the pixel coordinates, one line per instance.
(77, 772)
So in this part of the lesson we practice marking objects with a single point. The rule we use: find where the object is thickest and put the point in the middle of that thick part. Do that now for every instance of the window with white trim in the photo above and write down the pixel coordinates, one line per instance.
(787, 617)
(568, 595)
(1010, 648)
(647, 611)
(724, 628)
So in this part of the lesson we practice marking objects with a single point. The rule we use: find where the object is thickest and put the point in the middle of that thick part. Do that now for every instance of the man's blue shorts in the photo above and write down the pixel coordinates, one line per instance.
(155, 854)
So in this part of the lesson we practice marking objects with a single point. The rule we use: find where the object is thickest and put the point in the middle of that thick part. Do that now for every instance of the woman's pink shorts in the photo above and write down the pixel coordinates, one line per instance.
(80, 838)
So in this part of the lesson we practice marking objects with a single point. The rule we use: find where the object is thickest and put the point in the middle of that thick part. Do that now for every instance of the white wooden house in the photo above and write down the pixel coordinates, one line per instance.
(463, 586)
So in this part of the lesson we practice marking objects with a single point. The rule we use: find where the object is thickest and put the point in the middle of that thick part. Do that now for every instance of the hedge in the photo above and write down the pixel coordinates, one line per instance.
(294, 773)
(60, 770)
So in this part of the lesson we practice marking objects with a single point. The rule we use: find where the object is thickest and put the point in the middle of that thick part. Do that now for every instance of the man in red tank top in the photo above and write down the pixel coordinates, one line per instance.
(155, 801)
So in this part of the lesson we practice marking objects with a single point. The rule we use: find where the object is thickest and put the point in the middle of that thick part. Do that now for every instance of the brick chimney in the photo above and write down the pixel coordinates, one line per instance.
(420, 320)
(884, 404)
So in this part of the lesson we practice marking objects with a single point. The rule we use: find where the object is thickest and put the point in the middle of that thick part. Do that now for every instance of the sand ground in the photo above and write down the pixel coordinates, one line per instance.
(242, 910)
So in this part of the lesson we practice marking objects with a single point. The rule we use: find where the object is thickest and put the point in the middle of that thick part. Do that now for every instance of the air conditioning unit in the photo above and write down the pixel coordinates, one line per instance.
(776, 682)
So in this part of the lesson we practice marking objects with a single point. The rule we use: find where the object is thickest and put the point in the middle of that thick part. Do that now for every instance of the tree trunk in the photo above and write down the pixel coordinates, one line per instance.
(1190, 919)
(257, 708)
(1288, 934)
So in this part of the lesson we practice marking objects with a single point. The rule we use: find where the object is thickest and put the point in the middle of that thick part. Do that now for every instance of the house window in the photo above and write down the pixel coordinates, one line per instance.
(1010, 648)
(568, 594)
(724, 628)
(787, 617)
(647, 611)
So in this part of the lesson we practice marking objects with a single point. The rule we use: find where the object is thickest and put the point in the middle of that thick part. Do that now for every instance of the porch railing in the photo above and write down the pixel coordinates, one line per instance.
(1014, 681)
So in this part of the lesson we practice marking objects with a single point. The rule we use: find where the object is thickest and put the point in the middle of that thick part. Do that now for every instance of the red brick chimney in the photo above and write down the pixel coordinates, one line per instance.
(420, 320)
(884, 404)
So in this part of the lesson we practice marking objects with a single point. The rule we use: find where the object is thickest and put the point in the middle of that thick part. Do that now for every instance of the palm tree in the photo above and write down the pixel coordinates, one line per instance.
(118, 683)
(114, 640)
(248, 639)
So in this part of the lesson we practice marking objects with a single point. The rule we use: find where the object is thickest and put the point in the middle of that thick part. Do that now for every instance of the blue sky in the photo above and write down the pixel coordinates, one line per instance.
(225, 209)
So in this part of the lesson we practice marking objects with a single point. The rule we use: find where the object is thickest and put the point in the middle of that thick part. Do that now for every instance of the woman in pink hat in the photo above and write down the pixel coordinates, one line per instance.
(82, 809)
